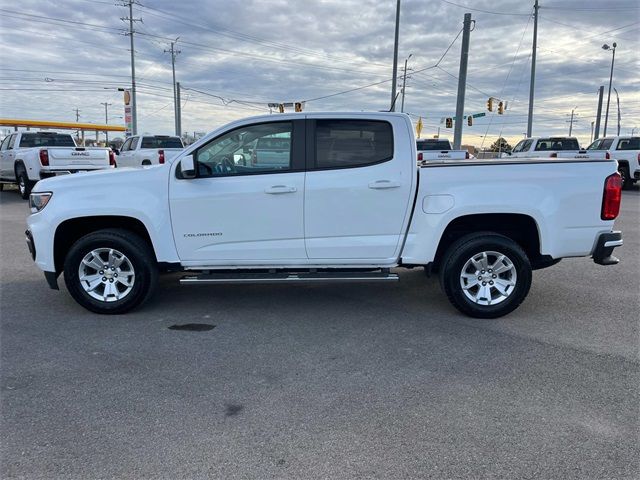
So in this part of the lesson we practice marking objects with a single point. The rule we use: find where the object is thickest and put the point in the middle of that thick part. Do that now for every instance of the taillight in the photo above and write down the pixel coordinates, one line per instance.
(611, 197)
(161, 156)
(44, 157)
(466, 156)
(554, 155)
(607, 156)
(420, 157)
(112, 158)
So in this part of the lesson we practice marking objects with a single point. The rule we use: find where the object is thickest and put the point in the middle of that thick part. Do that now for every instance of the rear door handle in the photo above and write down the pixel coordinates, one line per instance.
(383, 184)
(278, 189)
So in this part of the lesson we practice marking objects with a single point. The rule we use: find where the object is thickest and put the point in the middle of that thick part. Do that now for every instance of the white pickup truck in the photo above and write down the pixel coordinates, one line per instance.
(624, 149)
(26, 157)
(144, 150)
(438, 149)
(553, 147)
(333, 212)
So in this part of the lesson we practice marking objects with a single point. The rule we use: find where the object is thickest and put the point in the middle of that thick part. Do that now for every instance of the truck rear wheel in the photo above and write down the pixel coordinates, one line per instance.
(110, 271)
(24, 184)
(627, 182)
(485, 275)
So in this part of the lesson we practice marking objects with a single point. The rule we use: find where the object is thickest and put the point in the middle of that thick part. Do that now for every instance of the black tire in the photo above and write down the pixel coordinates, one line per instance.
(146, 163)
(461, 252)
(24, 184)
(139, 254)
(627, 181)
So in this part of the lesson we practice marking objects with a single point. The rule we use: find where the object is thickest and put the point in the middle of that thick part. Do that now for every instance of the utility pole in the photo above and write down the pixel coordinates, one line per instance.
(606, 115)
(572, 120)
(462, 81)
(591, 140)
(173, 53)
(599, 114)
(77, 111)
(533, 68)
(178, 112)
(395, 60)
(106, 119)
(404, 80)
(134, 102)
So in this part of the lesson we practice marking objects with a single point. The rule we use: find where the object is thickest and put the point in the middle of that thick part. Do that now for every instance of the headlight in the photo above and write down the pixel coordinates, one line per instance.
(37, 201)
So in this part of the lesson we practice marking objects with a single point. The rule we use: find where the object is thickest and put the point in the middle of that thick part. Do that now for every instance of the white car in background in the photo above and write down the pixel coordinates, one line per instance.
(145, 150)
(624, 149)
(549, 147)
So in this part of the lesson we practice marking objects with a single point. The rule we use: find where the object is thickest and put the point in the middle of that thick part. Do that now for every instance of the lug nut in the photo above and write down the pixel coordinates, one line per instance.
(482, 271)
(101, 272)
(494, 276)
(490, 282)
(479, 278)
(490, 270)
(484, 284)
(111, 280)
(115, 274)
(104, 279)
(113, 268)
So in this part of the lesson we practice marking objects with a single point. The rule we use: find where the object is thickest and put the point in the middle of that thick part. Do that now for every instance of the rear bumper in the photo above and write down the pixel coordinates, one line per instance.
(602, 255)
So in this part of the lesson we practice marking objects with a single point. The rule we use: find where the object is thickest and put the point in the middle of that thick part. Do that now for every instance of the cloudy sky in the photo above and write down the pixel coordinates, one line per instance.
(235, 57)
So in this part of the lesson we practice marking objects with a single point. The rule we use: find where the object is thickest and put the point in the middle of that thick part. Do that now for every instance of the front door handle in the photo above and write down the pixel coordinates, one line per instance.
(278, 189)
(383, 184)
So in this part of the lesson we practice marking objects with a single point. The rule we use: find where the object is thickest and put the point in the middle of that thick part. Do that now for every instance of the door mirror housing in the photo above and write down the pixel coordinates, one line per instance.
(116, 151)
(187, 167)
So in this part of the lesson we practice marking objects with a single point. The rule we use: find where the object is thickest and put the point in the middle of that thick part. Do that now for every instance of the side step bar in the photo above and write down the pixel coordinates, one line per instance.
(283, 277)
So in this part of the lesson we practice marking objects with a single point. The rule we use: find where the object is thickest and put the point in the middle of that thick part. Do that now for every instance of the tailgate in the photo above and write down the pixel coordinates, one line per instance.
(579, 154)
(78, 157)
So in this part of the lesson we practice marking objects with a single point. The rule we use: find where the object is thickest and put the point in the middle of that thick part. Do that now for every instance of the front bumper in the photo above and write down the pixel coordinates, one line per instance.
(602, 255)
(51, 277)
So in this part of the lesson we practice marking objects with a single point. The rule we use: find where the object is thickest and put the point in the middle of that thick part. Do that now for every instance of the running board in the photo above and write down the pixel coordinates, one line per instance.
(308, 277)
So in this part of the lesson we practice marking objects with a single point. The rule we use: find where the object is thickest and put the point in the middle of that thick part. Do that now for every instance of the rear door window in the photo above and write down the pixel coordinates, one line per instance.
(352, 143)
(632, 143)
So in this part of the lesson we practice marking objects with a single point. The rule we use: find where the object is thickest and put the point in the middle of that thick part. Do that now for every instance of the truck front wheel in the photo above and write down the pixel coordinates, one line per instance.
(110, 271)
(24, 184)
(485, 275)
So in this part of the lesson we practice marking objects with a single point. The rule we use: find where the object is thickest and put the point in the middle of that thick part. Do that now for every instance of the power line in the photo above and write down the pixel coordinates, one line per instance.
(483, 11)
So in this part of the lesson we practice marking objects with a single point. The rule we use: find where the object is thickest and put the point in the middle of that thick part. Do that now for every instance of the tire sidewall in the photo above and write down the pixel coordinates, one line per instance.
(459, 257)
(144, 277)
(22, 176)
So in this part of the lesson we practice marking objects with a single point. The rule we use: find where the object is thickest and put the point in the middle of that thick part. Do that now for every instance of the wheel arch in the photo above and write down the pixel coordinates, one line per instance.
(71, 230)
(521, 228)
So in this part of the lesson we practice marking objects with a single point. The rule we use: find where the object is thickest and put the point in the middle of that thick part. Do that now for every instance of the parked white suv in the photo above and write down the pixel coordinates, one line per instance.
(328, 211)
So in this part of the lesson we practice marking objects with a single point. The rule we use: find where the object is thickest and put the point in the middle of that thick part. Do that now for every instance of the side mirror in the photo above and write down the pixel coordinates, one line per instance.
(187, 167)
(116, 151)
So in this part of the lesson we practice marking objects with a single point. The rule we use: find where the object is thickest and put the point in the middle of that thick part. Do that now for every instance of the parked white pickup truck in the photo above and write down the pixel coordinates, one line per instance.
(624, 149)
(140, 151)
(332, 212)
(554, 147)
(438, 149)
(26, 157)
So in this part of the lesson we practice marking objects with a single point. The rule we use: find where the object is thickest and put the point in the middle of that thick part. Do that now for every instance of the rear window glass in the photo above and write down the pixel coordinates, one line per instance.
(632, 143)
(352, 143)
(556, 144)
(161, 142)
(29, 140)
(427, 145)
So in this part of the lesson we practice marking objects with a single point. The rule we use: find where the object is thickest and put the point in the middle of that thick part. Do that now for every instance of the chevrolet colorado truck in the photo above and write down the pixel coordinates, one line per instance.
(144, 150)
(554, 147)
(624, 149)
(438, 149)
(26, 157)
(334, 212)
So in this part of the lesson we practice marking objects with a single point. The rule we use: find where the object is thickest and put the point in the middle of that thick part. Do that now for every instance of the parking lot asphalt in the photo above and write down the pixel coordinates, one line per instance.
(322, 381)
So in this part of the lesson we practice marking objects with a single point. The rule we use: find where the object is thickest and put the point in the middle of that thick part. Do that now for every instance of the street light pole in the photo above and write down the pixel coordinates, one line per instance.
(613, 58)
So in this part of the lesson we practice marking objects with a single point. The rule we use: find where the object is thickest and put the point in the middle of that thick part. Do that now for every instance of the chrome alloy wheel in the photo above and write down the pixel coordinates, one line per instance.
(22, 185)
(106, 274)
(488, 278)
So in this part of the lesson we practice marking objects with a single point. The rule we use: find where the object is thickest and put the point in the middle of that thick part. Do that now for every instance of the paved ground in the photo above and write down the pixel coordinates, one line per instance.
(350, 381)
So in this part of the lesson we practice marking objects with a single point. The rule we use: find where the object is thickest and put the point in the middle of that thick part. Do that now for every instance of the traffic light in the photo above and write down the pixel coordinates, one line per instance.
(500, 108)
(281, 108)
(490, 104)
(470, 121)
(298, 106)
(449, 122)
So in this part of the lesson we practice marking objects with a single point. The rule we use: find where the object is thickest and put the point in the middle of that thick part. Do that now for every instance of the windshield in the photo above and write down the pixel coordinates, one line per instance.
(29, 140)
(559, 143)
(433, 145)
(161, 142)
